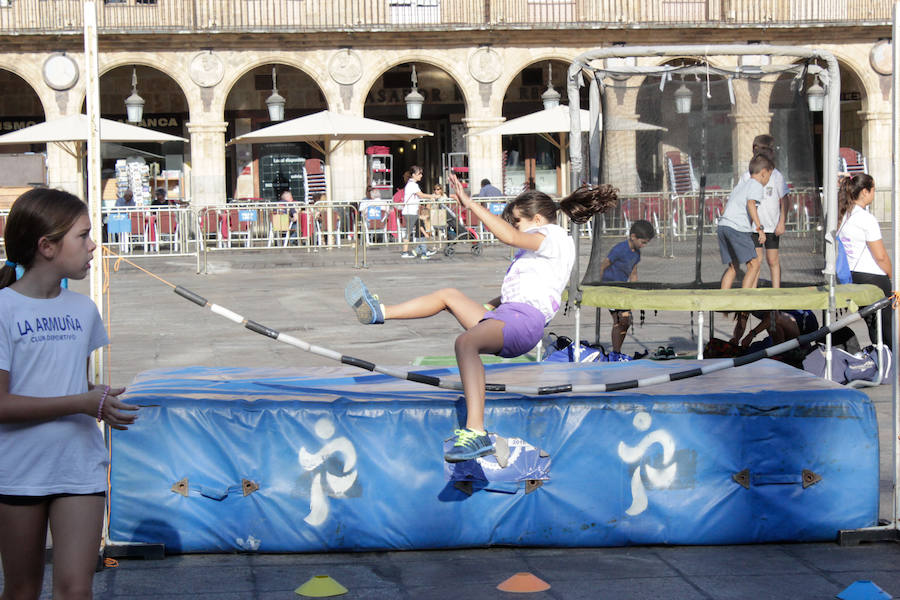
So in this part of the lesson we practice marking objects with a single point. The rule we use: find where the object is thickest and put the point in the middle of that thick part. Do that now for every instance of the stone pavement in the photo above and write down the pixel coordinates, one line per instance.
(300, 293)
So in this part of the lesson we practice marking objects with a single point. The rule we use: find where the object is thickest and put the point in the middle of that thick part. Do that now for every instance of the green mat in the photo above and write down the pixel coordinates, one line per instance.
(450, 361)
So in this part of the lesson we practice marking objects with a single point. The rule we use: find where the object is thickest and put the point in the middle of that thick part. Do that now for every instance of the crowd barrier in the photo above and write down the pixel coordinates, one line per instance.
(149, 230)
(449, 227)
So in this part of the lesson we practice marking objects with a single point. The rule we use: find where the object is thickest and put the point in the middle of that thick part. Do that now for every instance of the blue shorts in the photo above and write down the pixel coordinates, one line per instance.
(736, 247)
(523, 327)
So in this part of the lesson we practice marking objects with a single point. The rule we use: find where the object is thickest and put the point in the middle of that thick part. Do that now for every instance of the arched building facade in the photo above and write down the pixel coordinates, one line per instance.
(213, 87)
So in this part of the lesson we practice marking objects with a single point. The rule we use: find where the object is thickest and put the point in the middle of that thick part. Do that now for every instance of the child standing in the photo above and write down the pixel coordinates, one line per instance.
(53, 462)
(513, 323)
(412, 197)
(739, 220)
(621, 265)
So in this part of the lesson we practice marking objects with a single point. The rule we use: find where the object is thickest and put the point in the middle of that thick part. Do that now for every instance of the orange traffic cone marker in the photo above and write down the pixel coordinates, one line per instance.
(320, 586)
(523, 583)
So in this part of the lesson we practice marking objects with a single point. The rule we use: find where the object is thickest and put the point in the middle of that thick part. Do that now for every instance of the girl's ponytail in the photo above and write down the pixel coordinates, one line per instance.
(588, 200)
(7, 274)
(849, 189)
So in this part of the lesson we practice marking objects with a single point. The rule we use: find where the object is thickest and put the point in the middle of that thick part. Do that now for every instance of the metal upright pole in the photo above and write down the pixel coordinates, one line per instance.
(92, 91)
(895, 195)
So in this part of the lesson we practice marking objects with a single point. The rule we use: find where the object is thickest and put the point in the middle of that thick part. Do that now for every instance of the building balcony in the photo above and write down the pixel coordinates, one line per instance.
(260, 16)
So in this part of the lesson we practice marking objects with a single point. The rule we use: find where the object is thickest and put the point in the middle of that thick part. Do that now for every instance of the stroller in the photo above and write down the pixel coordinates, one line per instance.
(458, 231)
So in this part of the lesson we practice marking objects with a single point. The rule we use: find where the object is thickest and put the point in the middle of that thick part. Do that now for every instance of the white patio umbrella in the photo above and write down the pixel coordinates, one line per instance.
(326, 131)
(74, 128)
(557, 120)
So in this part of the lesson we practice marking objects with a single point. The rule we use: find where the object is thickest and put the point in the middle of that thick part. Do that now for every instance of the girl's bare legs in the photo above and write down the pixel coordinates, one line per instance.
(467, 311)
(23, 534)
(75, 523)
(484, 338)
(480, 337)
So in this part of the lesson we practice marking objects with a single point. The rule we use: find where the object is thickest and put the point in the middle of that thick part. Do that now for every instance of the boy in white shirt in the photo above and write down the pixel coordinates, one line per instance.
(772, 210)
(739, 220)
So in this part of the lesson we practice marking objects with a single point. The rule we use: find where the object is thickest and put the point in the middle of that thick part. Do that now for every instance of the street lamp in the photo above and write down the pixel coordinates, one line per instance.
(683, 100)
(550, 97)
(134, 104)
(275, 103)
(414, 100)
(815, 96)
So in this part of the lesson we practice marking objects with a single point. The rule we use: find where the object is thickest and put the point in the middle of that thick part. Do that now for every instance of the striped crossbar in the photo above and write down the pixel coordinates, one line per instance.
(709, 367)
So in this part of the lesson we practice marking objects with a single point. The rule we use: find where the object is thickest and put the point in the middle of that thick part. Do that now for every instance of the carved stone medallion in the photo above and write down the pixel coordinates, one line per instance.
(485, 65)
(345, 66)
(880, 57)
(60, 72)
(207, 69)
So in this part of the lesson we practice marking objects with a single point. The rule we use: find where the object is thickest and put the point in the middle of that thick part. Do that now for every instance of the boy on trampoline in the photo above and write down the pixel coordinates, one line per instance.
(739, 220)
(621, 265)
(530, 295)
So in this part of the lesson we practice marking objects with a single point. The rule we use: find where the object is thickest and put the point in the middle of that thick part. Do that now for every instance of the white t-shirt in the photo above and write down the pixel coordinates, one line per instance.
(770, 208)
(539, 277)
(736, 214)
(44, 345)
(411, 198)
(858, 229)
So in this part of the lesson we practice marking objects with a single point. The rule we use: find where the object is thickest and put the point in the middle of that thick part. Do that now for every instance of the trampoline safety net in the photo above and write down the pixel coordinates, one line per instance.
(676, 141)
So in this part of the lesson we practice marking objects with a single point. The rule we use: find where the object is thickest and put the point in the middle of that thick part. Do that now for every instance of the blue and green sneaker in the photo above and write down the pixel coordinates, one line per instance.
(468, 444)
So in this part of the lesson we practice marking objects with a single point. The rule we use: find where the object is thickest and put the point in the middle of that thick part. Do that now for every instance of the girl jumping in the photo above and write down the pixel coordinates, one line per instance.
(512, 324)
(53, 462)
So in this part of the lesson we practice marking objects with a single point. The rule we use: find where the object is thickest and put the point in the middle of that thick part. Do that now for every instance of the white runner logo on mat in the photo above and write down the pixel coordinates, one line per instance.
(659, 478)
(338, 484)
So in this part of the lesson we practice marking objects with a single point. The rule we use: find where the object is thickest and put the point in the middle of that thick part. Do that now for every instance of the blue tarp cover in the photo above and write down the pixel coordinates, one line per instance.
(334, 458)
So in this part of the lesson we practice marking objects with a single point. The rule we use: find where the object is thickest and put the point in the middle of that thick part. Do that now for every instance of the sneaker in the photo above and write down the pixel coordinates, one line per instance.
(408, 255)
(467, 445)
(430, 252)
(365, 303)
(424, 256)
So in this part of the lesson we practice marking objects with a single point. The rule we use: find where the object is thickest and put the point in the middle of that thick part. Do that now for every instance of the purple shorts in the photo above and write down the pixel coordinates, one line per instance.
(523, 327)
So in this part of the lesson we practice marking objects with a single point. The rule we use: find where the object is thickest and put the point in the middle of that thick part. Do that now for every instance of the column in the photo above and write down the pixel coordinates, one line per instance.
(876, 144)
(620, 167)
(746, 127)
(485, 153)
(64, 170)
(751, 118)
(207, 163)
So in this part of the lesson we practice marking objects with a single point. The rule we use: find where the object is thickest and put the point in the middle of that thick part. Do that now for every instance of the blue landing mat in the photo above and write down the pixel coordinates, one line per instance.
(334, 458)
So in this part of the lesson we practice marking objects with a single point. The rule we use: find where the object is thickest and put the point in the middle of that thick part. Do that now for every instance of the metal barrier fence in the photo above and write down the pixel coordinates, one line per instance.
(676, 217)
(445, 226)
(149, 230)
(448, 227)
(270, 225)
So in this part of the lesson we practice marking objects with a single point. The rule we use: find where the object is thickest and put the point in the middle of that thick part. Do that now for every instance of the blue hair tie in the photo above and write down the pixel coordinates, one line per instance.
(10, 263)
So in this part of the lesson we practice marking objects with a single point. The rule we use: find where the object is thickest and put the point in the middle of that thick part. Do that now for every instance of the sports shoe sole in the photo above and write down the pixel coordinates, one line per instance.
(355, 295)
(470, 456)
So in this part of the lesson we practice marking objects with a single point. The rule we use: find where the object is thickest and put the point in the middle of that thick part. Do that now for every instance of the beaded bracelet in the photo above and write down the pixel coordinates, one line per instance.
(102, 400)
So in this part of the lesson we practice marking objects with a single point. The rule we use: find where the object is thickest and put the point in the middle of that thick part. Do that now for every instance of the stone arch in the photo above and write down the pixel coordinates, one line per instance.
(232, 77)
(173, 69)
(438, 61)
(112, 101)
(513, 71)
(30, 74)
(866, 79)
